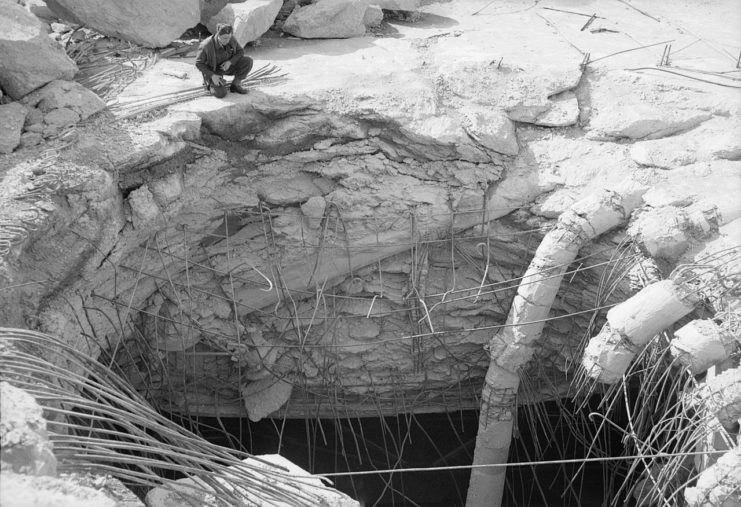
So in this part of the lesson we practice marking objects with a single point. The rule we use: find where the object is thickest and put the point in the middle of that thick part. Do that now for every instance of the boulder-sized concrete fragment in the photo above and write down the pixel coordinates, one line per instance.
(24, 442)
(273, 470)
(700, 344)
(151, 24)
(250, 19)
(12, 118)
(29, 58)
(263, 397)
(328, 19)
(492, 129)
(65, 94)
(719, 485)
(18, 490)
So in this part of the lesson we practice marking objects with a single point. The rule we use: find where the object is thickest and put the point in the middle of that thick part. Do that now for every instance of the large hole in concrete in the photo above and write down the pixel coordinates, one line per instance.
(357, 448)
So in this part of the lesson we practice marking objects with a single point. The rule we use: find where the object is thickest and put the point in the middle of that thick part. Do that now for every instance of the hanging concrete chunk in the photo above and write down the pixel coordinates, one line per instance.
(249, 19)
(701, 344)
(151, 24)
(328, 19)
(263, 397)
(29, 58)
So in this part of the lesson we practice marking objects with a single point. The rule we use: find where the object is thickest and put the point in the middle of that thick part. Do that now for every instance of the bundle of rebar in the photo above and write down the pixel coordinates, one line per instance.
(266, 75)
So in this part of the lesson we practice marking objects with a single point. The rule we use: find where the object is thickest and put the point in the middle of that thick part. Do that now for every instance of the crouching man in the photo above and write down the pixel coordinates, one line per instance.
(221, 55)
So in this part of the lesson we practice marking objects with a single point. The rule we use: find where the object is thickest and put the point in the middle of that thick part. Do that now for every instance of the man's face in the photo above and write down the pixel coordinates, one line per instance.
(224, 38)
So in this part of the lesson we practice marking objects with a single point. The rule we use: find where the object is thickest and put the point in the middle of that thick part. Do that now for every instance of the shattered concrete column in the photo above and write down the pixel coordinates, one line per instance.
(702, 343)
(631, 325)
(719, 484)
(512, 347)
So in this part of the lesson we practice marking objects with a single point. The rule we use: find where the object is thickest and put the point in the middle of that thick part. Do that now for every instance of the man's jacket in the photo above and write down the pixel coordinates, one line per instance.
(211, 55)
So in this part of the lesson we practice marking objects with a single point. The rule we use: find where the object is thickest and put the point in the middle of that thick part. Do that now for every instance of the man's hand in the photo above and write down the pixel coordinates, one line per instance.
(225, 66)
(217, 80)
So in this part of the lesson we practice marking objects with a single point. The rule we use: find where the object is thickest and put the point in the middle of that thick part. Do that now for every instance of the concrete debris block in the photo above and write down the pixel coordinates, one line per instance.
(144, 209)
(263, 397)
(250, 19)
(61, 117)
(719, 485)
(29, 58)
(373, 16)
(144, 22)
(492, 129)
(174, 330)
(700, 344)
(25, 444)
(65, 94)
(286, 191)
(18, 490)
(263, 469)
(12, 117)
(328, 19)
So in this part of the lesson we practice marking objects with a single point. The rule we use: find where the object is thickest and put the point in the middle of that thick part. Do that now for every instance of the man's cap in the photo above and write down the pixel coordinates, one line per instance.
(223, 29)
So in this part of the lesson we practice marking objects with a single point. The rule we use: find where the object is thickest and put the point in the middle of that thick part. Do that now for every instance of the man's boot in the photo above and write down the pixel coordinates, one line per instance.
(237, 88)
